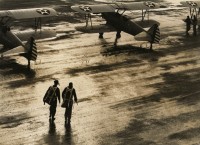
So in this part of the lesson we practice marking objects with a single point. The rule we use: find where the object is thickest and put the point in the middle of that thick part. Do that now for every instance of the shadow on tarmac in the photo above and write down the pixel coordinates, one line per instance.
(12, 121)
(68, 137)
(132, 135)
(55, 138)
(134, 56)
(182, 88)
(52, 127)
(11, 67)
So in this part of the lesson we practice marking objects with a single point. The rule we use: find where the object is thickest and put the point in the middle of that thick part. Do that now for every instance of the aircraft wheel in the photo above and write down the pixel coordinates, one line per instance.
(151, 46)
(118, 35)
(101, 35)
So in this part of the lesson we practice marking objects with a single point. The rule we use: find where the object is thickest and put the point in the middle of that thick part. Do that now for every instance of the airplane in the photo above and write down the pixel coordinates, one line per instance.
(13, 43)
(194, 8)
(113, 13)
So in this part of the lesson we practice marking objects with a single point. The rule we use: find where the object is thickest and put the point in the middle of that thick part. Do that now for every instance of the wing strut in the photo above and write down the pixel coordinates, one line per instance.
(193, 12)
(38, 24)
(144, 14)
(88, 18)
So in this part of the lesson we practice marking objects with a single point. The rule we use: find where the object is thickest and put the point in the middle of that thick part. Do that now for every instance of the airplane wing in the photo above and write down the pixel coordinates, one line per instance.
(15, 51)
(28, 13)
(102, 28)
(40, 34)
(103, 8)
(191, 4)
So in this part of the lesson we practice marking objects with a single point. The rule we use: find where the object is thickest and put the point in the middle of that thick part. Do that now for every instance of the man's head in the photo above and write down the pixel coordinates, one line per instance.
(56, 82)
(70, 85)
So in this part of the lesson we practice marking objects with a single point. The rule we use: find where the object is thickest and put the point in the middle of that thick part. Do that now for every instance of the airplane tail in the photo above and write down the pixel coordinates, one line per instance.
(152, 35)
(31, 49)
(154, 31)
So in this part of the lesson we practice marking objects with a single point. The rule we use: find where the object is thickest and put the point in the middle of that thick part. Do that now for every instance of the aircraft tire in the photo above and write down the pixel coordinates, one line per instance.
(100, 35)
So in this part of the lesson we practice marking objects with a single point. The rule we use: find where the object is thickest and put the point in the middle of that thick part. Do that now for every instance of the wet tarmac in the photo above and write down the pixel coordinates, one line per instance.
(127, 95)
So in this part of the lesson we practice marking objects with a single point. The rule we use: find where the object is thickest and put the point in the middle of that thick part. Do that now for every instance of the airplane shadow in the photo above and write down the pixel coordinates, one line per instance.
(144, 53)
(11, 67)
(179, 87)
(103, 42)
(12, 121)
(133, 56)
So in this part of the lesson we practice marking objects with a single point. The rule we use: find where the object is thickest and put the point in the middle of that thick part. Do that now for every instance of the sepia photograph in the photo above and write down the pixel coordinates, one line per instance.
(99, 72)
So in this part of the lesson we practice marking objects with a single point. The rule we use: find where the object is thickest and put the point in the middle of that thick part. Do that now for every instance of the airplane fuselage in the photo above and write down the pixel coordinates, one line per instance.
(121, 23)
(7, 39)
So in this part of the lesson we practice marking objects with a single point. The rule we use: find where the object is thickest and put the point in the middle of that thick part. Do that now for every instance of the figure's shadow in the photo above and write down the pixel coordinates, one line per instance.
(52, 138)
(52, 127)
(55, 138)
(68, 137)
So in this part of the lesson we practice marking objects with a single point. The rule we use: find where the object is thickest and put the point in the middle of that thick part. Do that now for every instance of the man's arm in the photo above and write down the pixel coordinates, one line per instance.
(63, 93)
(46, 94)
(75, 97)
(58, 94)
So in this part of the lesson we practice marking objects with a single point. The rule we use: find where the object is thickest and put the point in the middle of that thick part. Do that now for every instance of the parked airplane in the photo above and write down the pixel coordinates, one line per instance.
(14, 42)
(194, 8)
(192, 5)
(116, 21)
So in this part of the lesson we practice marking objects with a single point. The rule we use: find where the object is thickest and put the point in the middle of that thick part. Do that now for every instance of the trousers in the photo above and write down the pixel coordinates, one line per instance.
(68, 112)
(52, 110)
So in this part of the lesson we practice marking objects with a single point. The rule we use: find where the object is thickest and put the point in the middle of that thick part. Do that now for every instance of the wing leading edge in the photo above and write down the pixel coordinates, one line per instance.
(103, 8)
(191, 4)
(28, 13)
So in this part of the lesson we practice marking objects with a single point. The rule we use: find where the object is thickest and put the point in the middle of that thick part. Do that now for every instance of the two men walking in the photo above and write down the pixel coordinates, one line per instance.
(191, 21)
(68, 95)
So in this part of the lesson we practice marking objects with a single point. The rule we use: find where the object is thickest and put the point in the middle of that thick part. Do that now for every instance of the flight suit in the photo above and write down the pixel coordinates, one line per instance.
(53, 103)
(69, 95)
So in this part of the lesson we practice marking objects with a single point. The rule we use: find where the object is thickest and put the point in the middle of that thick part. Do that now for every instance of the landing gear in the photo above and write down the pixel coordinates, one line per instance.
(115, 43)
(118, 35)
(29, 65)
(151, 46)
(100, 35)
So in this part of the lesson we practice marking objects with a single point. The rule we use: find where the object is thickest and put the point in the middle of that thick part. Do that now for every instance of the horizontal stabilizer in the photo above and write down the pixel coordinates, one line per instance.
(146, 23)
(152, 35)
(15, 51)
(143, 36)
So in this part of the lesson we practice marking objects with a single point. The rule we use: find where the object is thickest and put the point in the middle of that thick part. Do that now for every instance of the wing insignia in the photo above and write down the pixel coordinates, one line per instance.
(103, 8)
(28, 13)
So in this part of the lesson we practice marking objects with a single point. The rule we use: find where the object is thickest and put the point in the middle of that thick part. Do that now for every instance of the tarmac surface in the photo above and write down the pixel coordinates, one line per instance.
(127, 95)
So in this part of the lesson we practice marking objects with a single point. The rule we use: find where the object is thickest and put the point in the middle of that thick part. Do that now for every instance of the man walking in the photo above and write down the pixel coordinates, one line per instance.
(69, 95)
(51, 96)
(188, 25)
(194, 21)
